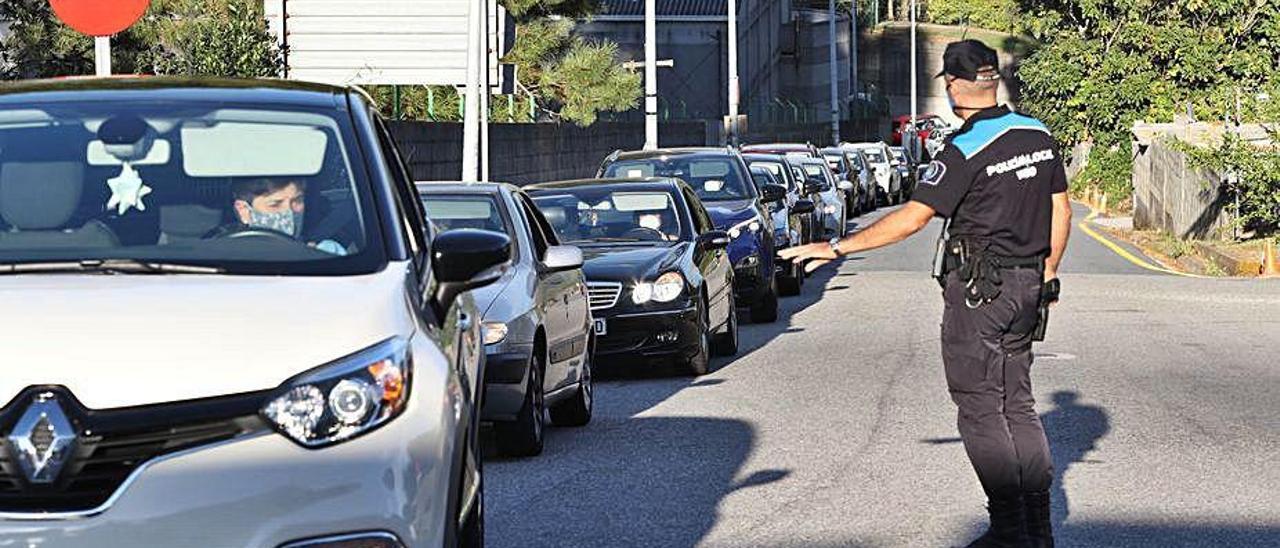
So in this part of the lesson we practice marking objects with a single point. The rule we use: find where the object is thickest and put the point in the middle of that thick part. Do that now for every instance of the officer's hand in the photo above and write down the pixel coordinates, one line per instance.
(812, 255)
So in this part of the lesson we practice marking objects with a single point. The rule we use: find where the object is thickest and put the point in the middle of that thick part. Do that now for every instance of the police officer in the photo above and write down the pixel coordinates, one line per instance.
(1001, 185)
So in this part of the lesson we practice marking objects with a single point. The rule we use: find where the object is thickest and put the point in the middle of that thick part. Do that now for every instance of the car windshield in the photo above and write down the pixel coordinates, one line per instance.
(874, 156)
(228, 189)
(714, 179)
(818, 170)
(587, 215)
(835, 162)
(454, 211)
(899, 155)
(777, 169)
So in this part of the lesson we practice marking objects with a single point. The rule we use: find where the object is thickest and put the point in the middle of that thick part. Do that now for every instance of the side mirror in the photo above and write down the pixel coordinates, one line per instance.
(771, 193)
(802, 207)
(467, 259)
(845, 186)
(562, 257)
(713, 239)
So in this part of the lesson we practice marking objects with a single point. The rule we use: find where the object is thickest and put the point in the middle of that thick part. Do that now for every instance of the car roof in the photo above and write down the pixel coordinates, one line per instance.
(461, 187)
(173, 88)
(662, 152)
(779, 146)
(647, 183)
(763, 156)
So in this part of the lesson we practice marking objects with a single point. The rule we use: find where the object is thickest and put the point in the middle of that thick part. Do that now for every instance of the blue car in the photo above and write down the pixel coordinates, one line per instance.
(723, 183)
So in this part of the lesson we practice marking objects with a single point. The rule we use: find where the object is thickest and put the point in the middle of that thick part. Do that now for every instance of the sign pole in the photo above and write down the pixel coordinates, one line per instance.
(471, 109)
(102, 55)
(484, 97)
(650, 75)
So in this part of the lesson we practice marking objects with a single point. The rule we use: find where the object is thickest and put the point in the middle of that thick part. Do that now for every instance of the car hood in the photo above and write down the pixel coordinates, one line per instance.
(630, 263)
(130, 340)
(727, 213)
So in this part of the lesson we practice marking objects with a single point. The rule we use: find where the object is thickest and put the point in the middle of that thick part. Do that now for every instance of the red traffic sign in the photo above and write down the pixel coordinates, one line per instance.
(99, 17)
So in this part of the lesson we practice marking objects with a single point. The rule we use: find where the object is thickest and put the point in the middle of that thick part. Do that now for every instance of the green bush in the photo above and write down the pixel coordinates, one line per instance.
(1001, 15)
(1253, 178)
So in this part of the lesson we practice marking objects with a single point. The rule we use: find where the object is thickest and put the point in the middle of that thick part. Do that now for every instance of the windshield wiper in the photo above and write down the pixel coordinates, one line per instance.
(107, 266)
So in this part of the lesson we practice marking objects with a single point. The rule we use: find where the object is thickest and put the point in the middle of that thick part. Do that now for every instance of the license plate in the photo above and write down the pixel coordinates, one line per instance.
(601, 327)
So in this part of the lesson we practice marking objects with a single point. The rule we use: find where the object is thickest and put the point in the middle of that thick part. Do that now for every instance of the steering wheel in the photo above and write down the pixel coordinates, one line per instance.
(644, 233)
(258, 232)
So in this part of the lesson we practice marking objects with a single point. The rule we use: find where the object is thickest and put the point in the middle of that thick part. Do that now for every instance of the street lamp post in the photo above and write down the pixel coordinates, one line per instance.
(834, 75)
(733, 72)
(650, 75)
(471, 107)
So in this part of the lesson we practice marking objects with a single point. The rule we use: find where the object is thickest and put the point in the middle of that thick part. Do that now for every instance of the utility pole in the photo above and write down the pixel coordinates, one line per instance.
(484, 95)
(915, 141)
(834, 75)
(102, 55)
(853, 49)
(471, 110)
(650, 75)
(734, 91)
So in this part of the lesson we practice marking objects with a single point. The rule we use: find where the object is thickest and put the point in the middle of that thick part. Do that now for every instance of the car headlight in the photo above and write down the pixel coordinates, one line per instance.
(344, 399)
(494, 332)
(752, 225)
(667, 288)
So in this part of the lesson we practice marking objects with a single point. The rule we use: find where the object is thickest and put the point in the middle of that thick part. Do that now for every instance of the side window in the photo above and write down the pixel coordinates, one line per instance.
(548, 232)
(702, 221)
(406, 194)
(536, 232)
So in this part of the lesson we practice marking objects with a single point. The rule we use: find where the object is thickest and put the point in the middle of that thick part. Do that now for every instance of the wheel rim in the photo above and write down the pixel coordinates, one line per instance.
(539, 402)
(588, 385)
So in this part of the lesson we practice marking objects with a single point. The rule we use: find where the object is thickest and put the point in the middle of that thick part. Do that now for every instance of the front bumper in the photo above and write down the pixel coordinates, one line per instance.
(505, 383)
(264, 491)
(656, 334)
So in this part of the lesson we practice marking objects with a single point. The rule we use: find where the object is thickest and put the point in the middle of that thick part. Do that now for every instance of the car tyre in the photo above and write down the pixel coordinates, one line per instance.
(726, 344)
(766, 311)
(523, 437)
(471, 535)
(576, 411)
(700, 362)
(792, 281)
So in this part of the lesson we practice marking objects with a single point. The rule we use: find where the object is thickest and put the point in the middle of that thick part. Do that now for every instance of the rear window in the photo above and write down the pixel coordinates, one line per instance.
(451, 212)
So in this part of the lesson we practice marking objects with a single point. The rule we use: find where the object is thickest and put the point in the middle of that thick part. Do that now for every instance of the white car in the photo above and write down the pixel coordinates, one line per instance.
(887, 178)
(834, 215)
(227, 324)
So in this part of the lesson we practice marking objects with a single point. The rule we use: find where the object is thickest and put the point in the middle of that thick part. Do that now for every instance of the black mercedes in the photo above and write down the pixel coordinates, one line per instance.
(659, 276)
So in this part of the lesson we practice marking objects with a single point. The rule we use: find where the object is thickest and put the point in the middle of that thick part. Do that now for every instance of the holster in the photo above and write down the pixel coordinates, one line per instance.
(1049, 294)
(980, 268)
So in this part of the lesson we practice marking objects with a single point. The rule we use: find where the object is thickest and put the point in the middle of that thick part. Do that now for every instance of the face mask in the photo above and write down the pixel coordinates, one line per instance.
(286, 221)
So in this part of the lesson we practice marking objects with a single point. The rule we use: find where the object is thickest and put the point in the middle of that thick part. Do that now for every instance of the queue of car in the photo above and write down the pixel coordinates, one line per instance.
(204, 391)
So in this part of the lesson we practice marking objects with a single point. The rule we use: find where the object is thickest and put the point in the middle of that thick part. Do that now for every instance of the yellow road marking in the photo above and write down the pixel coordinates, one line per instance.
(1122, 252)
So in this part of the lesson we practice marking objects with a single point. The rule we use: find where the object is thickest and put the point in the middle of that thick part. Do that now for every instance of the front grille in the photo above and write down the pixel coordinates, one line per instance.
(111, 445)
(604, 294)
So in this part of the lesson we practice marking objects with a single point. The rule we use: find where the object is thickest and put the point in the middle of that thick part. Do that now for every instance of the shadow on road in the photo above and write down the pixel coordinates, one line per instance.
(1073, 429)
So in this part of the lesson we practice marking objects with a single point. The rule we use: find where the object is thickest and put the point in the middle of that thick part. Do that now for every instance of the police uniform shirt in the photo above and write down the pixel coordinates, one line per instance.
(995, 180)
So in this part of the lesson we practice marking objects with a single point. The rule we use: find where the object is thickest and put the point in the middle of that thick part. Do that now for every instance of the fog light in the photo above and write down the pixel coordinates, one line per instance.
(668, 337)
(373, 539)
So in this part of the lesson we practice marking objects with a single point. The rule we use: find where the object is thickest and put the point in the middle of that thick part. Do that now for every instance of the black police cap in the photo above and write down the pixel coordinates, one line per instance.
(968, 60)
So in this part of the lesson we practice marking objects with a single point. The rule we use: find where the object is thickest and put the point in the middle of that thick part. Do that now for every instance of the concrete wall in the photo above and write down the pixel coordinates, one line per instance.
(529, 153)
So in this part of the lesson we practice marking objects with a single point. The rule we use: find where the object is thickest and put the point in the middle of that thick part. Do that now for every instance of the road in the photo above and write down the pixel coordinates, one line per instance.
(833, 426)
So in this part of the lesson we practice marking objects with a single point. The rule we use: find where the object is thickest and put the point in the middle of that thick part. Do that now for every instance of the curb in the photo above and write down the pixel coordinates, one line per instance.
(1246, 268)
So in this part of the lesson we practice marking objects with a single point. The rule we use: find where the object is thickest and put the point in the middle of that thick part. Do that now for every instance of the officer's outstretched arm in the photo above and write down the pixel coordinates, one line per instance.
(1061, 232)
(893, 228)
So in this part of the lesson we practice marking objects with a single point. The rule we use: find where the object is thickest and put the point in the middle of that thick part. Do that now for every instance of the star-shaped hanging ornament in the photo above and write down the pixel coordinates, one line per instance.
(127, 190)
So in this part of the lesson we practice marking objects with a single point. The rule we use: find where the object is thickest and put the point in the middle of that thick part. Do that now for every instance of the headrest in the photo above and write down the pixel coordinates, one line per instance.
(554, 215)
(189, 220)
(40, 195)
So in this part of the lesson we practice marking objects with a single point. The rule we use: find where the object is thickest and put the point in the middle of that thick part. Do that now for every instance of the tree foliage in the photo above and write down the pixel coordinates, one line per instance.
(225, 38)
(1102, 66)
(580, 77)
(1001, 15)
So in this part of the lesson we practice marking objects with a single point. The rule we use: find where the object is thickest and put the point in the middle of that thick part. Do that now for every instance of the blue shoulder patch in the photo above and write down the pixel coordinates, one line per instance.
(985, 132)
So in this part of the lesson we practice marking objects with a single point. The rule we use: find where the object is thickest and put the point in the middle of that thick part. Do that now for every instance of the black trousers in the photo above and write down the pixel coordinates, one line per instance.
(986, 352)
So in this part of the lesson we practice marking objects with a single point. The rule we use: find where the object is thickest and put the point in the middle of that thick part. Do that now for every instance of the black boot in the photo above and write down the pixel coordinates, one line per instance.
(1036, 512)
(1007, 529)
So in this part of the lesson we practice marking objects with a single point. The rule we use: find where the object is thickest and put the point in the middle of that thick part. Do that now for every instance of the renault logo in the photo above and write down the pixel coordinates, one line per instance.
(43, 439)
